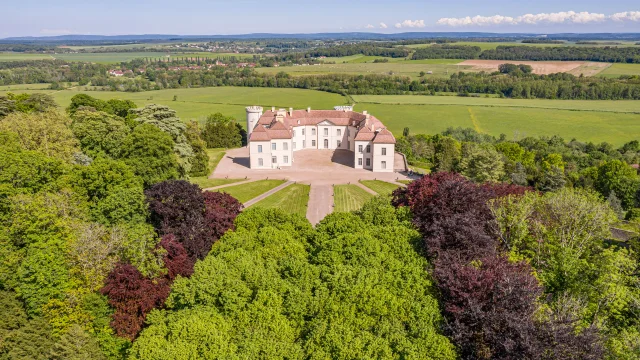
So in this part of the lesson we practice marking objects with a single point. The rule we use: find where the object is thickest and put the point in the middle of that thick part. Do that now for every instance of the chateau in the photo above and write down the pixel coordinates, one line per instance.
(274, 136)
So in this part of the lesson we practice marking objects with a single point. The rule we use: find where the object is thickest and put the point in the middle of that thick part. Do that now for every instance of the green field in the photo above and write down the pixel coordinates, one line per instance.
(616, 122)
(406, 182)
(616, 70)
(197, 103)
(381, 187)
(292, 199)
(411, 68)
(15, 56)
(248, 191)
(349, 197)
(22, 87)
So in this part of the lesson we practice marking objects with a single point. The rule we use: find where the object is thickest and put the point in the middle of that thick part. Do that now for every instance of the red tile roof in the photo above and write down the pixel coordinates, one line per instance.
(259, 133)
(384, 137)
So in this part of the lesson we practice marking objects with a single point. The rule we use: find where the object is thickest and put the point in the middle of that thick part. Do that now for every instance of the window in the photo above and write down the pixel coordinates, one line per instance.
(286, 160)
(303, 131)
(304, 144)
(338, 143)
(313, 143)
(339, 132)
(259, 148)
(359, 161)
(368, 162)
(275, 159)
(294, 145)
(384, 164)
(360, 149)
(294, 133)
(313, 131)
(260, 162)
(273, 146)
(384, 151)
(326, 131)
(326, 143)
(285, 146)
(368, 149)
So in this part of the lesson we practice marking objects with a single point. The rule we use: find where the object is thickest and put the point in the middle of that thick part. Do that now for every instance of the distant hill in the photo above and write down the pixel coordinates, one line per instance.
(319, 36)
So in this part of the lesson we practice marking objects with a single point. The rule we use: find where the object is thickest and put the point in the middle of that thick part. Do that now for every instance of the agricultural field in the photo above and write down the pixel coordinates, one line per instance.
(410, 68)
(616, 70)
(22, 87)
(349, 197)
(616, 122)
(587, 68)
(16, 56)
(381, 187)
(292, 199)
(251, 190)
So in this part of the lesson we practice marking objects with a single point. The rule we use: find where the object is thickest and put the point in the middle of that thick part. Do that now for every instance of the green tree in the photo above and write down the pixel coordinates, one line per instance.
(200, 161)
(99, 133)
(166, 120)
(47, 132)
(447, 153)
(21, 337)
(481, 162)
(149, 152)
(221, 132)
(616, 176)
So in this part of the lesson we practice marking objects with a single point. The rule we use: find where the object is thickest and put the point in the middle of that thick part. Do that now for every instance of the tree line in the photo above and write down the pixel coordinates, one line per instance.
(564, 53)
(447, 52)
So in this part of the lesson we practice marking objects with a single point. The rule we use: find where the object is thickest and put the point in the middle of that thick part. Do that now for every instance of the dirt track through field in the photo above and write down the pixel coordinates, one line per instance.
(543, 67)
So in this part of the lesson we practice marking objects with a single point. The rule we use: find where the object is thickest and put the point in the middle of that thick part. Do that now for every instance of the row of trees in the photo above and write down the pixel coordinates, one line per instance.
(564, 53)
(543, 163)
(447, 52)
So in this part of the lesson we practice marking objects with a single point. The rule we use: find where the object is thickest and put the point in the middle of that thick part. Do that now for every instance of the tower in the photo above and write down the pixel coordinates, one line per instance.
(253, 115)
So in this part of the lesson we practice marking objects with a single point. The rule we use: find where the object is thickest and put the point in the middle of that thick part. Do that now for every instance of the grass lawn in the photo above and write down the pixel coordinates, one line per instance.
(248, 191)
(292, 199)
(349, 197)
(21, 87)
(381, 187)
(215, 155)
(406, 182)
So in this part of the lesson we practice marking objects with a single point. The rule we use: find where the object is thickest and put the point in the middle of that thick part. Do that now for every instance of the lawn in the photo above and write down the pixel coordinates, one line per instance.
(248, 191)
(292, 199)
(406, 182)
(349, 197)
(215, 155)
(381, 187)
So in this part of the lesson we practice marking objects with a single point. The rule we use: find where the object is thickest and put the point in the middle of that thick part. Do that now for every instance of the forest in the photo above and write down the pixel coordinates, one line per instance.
(447, 52)
(108, 253)
(564, 53)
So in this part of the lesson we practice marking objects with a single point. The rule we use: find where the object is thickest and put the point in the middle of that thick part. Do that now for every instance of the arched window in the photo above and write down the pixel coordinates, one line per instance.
(326, 143)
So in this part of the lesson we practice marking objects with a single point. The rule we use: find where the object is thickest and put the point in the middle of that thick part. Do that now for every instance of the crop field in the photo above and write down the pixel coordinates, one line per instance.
(411, 68)
(616, 70)
(251, 190)
(542, 67)
(616, 122)
(15, 56)
(292, 199)
(349, 197)
(381, 187)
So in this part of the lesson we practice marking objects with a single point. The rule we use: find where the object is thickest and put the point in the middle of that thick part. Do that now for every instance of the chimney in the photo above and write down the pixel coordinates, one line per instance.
(309, 109)
(273, 109)
(373, 127)
(364, 112)
(290, 111)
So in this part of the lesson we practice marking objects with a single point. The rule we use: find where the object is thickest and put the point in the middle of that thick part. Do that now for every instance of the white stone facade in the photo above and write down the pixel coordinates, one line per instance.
(275, 136)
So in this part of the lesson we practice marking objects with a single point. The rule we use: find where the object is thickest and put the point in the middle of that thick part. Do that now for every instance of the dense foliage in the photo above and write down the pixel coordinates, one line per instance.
(277, 288)
(564, 53)
(447, 52)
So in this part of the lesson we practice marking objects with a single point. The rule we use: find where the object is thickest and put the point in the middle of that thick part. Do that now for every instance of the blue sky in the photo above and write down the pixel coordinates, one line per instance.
(200, 17)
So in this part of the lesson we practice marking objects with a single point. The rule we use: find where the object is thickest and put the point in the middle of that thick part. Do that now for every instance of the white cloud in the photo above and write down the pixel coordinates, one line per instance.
(411, 24)
(565, 17)
(626, 16)
(383, 25)
(369, 26)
